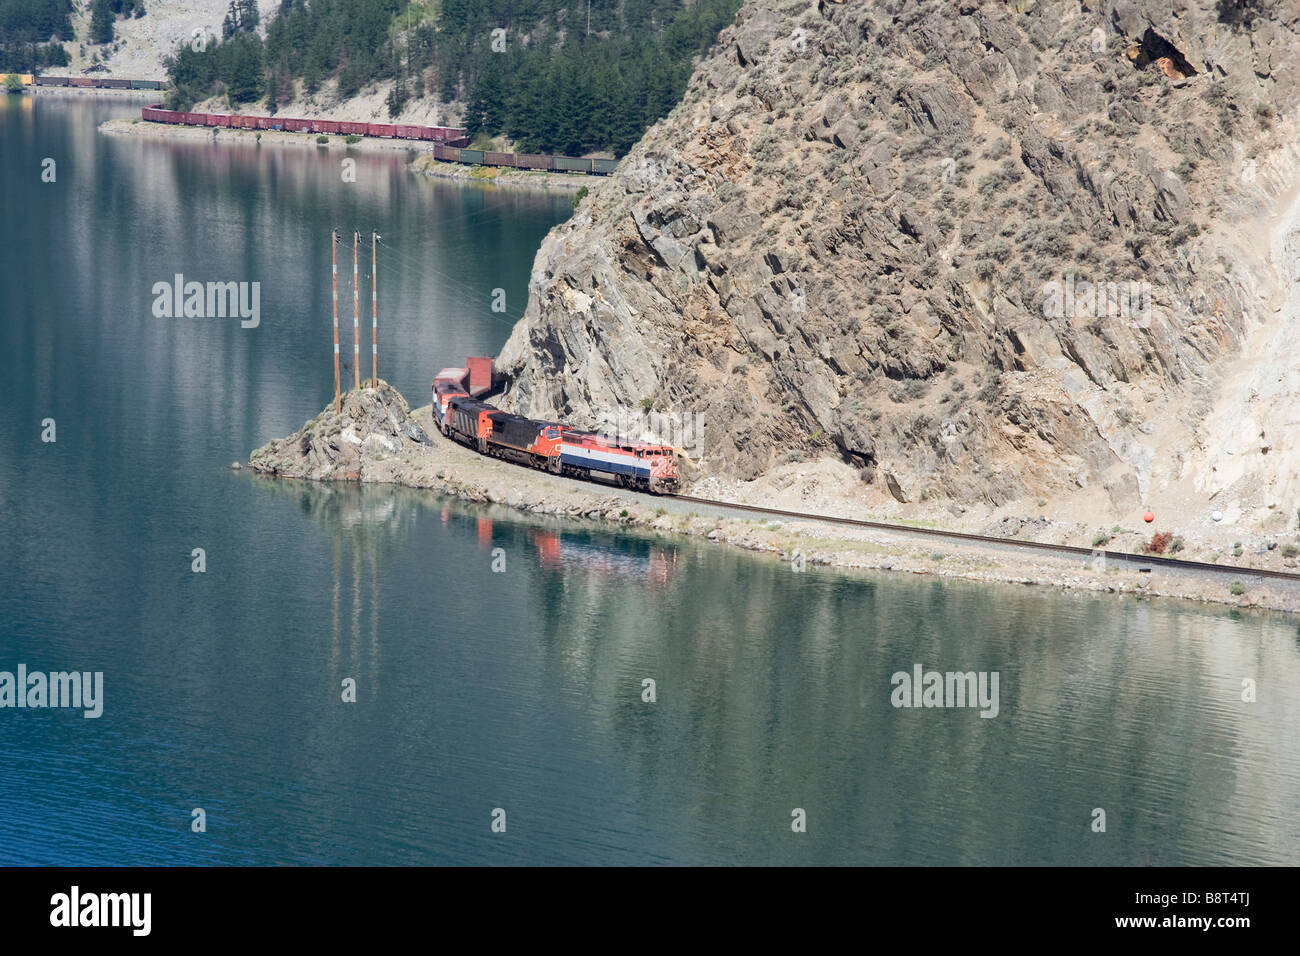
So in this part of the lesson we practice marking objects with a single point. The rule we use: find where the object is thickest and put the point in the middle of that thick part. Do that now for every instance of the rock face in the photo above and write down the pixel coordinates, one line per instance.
(373, 426)
(986, 250)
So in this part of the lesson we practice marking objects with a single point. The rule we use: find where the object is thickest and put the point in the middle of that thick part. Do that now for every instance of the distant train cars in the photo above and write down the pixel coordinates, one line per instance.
(96, 82)
(435, 134)
(562, 164)
(548, 446)
(450, 143)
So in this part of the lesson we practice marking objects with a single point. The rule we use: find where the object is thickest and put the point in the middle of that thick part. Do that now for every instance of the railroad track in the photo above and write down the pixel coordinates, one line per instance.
(1139, 561)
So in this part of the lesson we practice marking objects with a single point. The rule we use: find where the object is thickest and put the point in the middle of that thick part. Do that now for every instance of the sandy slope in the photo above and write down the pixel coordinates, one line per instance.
(143, 43)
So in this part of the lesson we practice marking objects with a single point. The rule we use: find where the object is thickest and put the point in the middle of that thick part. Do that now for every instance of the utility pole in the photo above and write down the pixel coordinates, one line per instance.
(334, 270)
(374, 310)
(356, 314)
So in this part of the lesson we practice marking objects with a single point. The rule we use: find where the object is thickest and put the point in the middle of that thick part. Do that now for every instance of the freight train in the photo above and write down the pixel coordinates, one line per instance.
(437, 134)
(96, 83)
(548, 446)
(449, 143)
(559, 164)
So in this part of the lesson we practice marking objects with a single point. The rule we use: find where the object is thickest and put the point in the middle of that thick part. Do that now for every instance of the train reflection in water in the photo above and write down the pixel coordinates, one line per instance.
(631, 559)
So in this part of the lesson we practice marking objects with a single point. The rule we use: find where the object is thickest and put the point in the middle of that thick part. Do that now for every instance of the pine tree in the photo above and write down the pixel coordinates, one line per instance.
(101, 22)
(397, 98)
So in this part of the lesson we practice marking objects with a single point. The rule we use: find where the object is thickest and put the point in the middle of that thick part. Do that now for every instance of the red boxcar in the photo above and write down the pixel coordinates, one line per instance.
(386, 130)
(244, 122)
(156, 115)
(218, 119)
(329, 126)
(263, 122)
(297, 125)
(498, 159)
(83, 81)
(480, 374)
(446, 153)
(353, 129)
(533, 161)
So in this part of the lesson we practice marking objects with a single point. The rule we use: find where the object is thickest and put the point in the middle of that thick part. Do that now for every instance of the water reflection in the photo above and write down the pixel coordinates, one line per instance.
(774, 693)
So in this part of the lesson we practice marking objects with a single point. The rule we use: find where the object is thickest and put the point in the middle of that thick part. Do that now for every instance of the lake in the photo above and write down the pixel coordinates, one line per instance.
(519, 695)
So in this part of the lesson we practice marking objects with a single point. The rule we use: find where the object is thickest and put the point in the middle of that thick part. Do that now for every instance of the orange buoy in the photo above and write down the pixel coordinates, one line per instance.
(1148, 517)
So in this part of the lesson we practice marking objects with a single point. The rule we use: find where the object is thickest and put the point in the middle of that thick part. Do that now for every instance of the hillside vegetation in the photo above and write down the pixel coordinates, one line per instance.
(551, 76)
(30, 34)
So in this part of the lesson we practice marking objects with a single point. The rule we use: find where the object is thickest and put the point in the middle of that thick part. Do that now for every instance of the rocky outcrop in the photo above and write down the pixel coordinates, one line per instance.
(373, 426)
(984, 250)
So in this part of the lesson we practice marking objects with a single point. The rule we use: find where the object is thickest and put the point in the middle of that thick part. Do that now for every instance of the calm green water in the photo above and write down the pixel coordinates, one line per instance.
(519, 690)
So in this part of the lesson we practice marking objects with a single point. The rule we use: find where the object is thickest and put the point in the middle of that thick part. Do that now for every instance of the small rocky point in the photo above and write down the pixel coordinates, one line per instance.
(373, 425)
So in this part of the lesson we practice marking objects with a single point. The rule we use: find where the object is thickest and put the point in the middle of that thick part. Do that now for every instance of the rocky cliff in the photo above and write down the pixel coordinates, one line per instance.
(979, 251)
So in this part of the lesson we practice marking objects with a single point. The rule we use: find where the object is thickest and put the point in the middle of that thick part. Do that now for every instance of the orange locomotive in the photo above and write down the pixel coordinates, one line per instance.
(547, 445)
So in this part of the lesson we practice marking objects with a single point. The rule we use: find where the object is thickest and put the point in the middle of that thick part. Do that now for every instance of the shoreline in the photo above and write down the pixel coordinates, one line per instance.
(421, 163)
(92, 91)
(378, 440)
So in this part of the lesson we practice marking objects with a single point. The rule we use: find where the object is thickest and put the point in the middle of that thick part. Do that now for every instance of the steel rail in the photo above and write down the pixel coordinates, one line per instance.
(1142, 560)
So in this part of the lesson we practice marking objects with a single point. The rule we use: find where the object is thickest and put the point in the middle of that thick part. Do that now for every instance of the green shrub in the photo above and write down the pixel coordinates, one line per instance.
(352, 138)
(322, 139)
(1237, 588)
